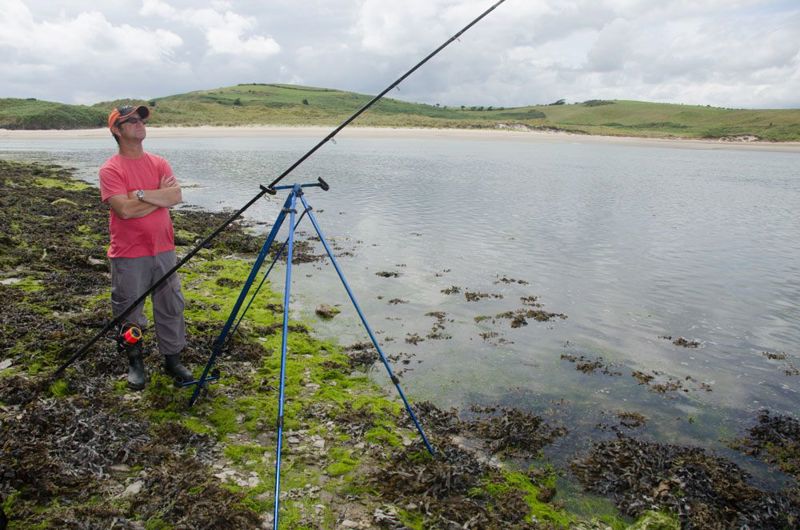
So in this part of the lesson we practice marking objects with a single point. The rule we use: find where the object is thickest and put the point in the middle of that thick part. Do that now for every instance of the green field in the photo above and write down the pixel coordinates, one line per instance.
(266, 104)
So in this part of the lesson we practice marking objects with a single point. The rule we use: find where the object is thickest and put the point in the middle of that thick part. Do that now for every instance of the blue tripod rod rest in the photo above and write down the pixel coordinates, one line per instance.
(210, 375)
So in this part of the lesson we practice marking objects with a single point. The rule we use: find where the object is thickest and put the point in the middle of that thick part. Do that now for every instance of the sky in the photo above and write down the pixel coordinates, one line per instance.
(727, 53)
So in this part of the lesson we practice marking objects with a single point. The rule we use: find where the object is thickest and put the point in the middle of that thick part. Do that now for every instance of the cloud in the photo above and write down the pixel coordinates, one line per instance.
(734, 53)
(224, 29)
(85, 39)
(84, 52)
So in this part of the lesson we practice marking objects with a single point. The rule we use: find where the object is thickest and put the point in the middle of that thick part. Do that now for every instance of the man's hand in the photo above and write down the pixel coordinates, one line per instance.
(167, 195)
(168, 181)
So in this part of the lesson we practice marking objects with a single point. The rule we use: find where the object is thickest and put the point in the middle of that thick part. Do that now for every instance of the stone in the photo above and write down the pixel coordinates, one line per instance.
(327, 312)
(133, 489)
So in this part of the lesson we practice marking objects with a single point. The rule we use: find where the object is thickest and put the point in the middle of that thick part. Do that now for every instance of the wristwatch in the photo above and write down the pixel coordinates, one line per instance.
(140, 194)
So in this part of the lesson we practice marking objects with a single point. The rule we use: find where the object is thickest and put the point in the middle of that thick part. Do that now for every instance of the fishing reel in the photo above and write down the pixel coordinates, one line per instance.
(129, 336)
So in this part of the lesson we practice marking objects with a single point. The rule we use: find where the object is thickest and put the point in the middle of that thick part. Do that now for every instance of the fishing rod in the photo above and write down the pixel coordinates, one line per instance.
(269, 189)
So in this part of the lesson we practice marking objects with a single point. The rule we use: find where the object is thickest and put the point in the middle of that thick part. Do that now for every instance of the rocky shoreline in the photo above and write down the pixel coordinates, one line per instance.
(85, 452)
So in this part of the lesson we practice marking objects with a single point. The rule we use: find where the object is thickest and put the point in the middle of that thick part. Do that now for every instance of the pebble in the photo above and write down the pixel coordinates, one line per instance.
(6, 363)
(347, 523)
(133, 489)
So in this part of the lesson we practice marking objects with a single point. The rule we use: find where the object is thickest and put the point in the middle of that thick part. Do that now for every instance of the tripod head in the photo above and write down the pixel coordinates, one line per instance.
(272, 190)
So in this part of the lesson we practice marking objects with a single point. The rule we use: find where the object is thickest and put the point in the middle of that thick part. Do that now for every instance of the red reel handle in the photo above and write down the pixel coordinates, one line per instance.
(132, 335)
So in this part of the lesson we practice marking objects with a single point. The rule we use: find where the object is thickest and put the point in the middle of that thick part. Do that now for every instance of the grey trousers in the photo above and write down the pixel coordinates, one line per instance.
(130, 277)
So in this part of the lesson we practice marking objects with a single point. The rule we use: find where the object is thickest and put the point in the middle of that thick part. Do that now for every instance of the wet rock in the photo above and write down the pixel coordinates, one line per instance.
(133, 489)
(327, 312)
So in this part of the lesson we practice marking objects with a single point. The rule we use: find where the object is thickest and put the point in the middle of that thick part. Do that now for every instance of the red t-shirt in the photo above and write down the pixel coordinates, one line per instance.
(143, 236)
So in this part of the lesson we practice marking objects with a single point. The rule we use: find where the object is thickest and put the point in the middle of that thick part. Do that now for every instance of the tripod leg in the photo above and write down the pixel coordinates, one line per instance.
(278, 256)
(385, 361)
(220, 342)
(286, 292)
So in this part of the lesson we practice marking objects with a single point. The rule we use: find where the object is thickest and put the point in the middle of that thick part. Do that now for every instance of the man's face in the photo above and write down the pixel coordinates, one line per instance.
(132, 128)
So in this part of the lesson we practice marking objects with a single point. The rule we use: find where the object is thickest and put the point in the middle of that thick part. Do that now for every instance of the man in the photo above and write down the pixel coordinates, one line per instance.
(140, 188)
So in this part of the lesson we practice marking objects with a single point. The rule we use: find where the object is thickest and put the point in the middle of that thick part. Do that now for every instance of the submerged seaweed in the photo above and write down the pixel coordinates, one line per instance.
(776, 439)
(704, 490)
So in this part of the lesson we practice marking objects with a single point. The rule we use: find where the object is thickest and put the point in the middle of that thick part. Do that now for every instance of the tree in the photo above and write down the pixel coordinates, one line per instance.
(237, 102)
(305, 101)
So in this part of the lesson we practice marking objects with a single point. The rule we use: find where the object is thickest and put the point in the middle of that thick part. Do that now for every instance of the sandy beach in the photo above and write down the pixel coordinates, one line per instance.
(267, 131)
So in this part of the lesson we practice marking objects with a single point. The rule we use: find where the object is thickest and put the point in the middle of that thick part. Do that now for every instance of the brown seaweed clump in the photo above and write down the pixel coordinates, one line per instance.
(448, 489)
(775, 439)
(361, 355)
(454, 487)
(513, 432)
(589, 366)
(705, 491)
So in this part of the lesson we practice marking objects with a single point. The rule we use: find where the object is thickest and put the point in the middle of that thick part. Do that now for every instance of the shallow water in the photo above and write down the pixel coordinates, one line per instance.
(631, 242)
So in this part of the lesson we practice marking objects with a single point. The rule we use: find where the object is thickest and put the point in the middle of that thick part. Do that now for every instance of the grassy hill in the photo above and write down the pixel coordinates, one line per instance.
(34, 114)
(270, 104)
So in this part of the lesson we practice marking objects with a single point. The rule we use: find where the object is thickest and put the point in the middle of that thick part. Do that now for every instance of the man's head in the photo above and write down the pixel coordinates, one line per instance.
(127, 117)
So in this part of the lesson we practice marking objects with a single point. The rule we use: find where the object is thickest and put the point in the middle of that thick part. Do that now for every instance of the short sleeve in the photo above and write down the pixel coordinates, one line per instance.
(111, 183)
(164, 168)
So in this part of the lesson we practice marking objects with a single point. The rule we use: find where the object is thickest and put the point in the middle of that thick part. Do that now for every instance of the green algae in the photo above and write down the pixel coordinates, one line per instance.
(68, 185)
(539, 511)
(343, 462)
(60, 388)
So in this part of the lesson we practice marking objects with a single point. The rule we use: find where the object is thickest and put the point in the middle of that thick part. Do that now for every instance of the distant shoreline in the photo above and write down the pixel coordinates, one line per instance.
(406, 133)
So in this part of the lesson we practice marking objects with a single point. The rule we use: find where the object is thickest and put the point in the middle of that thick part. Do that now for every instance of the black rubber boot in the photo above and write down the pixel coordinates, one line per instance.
(136, 375)
(174, 368)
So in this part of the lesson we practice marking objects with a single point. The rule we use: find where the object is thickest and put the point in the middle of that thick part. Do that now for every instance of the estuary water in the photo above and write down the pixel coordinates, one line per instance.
(638, 244)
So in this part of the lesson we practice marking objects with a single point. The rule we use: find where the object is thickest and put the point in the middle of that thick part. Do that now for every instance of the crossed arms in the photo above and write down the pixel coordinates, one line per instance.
(129, 207)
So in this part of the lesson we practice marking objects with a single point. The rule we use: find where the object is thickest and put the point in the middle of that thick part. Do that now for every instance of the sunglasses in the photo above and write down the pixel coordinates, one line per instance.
(134, 120)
